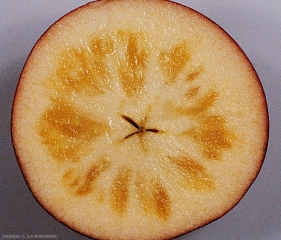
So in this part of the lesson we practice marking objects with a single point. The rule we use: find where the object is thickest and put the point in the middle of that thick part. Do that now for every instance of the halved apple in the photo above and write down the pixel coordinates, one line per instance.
(138, 118)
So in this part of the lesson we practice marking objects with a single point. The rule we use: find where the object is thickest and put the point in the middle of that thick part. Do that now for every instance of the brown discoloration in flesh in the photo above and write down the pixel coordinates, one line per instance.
(195, 175)
(120, 190)
(173, 62)
(65, 131)
(213, 135)
(132, 68)
(83, 183)
(153, 197)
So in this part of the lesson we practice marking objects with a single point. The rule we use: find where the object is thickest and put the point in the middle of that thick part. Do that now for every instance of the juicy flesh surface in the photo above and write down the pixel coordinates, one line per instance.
(135, 131)
(68, 131)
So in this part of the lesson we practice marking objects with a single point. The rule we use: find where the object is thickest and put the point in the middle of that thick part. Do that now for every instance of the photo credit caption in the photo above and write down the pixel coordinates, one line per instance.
(30, 236)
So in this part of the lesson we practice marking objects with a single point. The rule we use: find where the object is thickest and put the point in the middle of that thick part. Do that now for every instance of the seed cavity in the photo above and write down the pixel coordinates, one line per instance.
(140, 132)
(131, 121)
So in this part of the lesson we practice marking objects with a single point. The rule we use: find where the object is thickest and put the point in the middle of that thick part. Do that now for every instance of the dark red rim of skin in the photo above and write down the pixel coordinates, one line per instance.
(202, 17)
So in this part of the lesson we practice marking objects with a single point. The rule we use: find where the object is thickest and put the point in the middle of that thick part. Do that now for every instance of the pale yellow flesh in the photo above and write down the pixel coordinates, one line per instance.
(138, 123)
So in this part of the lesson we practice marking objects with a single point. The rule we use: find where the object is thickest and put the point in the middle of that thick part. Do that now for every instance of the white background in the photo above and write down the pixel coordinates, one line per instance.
(254, 24)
